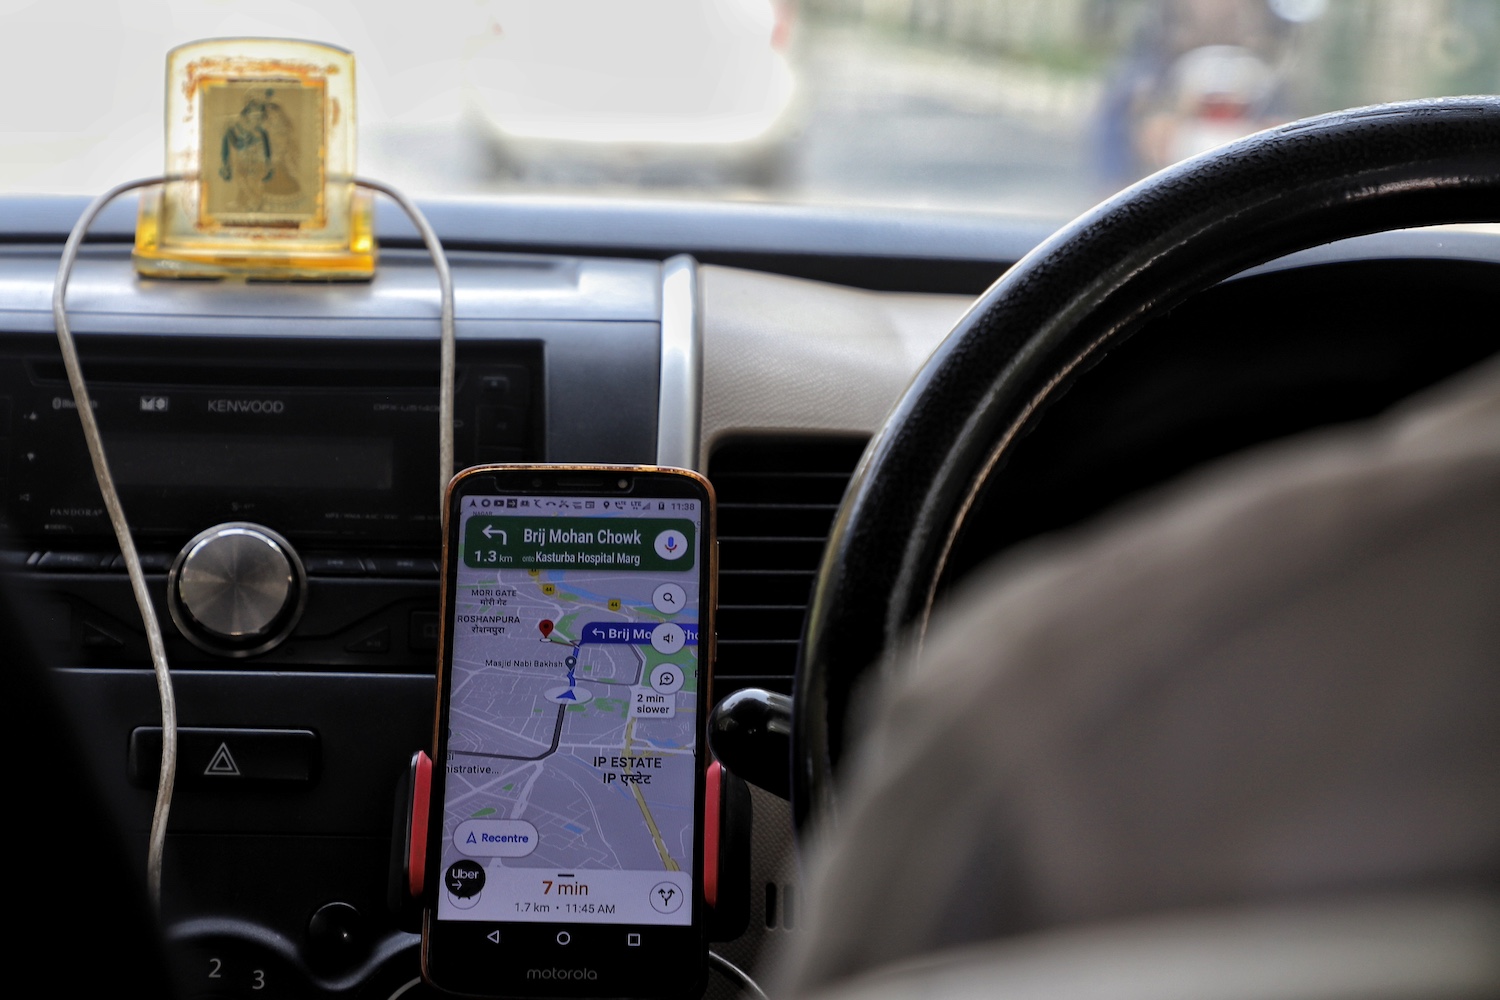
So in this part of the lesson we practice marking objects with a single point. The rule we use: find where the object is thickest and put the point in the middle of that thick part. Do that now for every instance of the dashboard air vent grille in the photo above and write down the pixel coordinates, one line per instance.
(777, 498)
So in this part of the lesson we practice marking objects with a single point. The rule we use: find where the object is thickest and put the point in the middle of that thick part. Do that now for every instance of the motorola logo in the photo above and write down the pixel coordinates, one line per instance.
(561, 974)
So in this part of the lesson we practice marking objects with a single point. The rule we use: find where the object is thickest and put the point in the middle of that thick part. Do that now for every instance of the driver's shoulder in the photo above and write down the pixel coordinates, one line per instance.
(1238, 540)
(1264, 664)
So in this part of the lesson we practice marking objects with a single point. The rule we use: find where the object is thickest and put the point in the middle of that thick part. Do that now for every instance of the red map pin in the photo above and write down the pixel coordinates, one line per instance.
(546, 626)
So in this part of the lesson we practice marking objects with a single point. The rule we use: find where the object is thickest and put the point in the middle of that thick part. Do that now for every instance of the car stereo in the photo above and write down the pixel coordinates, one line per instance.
(314, 439)
(316, 457)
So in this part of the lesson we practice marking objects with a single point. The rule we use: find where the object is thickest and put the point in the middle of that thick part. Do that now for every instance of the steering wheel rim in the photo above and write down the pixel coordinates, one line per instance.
(1060, 309)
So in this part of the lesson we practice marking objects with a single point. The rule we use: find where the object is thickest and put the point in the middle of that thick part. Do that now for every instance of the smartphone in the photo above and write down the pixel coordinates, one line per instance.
(573, 687)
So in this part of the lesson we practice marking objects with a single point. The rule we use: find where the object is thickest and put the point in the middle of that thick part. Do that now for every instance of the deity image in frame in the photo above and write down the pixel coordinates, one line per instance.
(261, 153)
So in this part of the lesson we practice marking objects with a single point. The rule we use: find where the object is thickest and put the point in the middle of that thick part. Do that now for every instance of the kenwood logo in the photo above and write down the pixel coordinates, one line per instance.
(246, 406)
(561, 974)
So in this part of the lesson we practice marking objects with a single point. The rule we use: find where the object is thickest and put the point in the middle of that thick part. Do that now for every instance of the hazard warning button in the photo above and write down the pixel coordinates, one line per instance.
(227, 757)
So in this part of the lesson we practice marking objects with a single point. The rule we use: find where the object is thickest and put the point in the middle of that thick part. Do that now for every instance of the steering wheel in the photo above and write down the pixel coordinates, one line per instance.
(1057, 312)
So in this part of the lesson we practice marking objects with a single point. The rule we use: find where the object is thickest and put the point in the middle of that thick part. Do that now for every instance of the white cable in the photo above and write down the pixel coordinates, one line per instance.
(736, 975)
(167, 776)
(446, 354)
(168, 701)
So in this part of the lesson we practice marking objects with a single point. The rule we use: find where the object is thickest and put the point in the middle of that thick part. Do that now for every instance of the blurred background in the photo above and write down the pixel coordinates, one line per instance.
(1032, 106)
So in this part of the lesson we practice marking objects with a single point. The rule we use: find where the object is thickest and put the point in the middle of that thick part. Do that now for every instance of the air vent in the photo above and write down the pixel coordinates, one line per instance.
(777, 498)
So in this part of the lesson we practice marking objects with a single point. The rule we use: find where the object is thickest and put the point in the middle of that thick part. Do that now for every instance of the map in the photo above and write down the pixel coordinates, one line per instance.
(572, 715)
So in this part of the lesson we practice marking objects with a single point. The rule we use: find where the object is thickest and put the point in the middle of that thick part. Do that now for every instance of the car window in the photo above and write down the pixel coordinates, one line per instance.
(1039, 106)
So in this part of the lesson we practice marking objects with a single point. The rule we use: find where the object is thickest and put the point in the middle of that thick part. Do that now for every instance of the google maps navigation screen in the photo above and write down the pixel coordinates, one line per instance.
(573, 711)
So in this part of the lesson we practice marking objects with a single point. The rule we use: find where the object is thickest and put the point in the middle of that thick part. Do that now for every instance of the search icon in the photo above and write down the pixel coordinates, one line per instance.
(669, 598)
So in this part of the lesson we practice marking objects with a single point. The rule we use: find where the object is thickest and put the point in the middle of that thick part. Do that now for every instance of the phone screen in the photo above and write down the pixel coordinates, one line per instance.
(571, 772)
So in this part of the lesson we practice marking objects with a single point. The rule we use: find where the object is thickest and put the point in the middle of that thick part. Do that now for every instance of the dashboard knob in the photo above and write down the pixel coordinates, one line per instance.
(236, 589)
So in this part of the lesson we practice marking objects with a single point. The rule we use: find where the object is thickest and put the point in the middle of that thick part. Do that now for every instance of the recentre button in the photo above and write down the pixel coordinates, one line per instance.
(495, 838)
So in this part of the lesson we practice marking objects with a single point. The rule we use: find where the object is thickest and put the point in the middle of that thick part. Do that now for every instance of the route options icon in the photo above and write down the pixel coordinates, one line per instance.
(666, 897)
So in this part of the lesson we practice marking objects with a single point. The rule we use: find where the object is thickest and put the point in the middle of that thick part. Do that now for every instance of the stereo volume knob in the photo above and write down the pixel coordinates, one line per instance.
(236, 589)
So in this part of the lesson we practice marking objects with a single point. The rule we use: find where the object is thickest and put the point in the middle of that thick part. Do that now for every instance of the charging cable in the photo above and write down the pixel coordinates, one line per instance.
(448, 346)
(106, 481)
(167, 776)
(736, 975)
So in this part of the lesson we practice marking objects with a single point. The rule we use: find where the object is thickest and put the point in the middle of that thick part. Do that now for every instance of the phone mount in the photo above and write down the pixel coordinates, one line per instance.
(408, 871)
(726, 848)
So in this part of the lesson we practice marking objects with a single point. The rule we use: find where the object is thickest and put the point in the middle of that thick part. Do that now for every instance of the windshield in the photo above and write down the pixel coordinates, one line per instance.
(1033, 106)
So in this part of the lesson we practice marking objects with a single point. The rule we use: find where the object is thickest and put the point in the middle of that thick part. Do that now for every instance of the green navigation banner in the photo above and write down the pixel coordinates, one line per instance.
(609, 543)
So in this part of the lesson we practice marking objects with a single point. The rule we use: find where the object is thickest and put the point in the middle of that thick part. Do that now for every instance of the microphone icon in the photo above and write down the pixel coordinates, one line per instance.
(670, 544)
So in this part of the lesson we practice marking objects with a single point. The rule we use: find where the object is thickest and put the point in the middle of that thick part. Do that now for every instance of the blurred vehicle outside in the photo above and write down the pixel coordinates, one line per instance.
(666, 91)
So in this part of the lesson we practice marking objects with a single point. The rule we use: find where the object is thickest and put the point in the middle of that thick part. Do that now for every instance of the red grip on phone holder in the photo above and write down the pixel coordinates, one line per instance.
(416, 840)
(711, 814)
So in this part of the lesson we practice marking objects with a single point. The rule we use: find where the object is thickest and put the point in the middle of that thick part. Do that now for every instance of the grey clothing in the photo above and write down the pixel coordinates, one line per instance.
(1407, 946)
(1277, 680)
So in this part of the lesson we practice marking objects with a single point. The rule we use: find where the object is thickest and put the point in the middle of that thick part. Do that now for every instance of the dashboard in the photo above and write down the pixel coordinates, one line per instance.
(762, 345)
